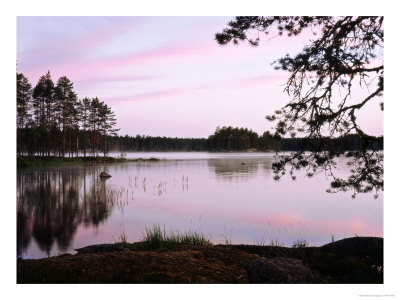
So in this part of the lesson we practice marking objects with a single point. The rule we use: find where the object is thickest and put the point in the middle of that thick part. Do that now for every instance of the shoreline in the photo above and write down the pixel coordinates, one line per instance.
(24, 161)
(41, 161)
(351, 260)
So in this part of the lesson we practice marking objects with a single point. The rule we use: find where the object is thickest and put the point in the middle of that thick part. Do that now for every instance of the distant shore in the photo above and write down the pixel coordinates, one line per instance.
(351, 260)
(39, 161)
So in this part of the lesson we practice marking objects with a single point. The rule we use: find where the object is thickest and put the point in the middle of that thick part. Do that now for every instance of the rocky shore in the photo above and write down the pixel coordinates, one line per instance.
(352, 260)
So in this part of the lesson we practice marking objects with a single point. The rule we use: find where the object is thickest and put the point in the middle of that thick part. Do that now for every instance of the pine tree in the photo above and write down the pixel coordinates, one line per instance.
(94, 122)
(66, 108)
(24, 94)
(43, 101)
(107, 122)
(84, 112)
(345, 52)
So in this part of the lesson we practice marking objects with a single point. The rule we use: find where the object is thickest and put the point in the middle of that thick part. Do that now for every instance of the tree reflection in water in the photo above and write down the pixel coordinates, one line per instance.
(52, 203)
(240, 169)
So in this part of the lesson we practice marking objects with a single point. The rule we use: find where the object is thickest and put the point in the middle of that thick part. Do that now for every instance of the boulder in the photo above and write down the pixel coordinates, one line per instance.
(279, 270)
(101, 248)
(357, 246)
(104, 174)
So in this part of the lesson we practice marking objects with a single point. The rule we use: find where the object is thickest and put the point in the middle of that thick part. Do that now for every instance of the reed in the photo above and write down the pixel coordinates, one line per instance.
(155, 237)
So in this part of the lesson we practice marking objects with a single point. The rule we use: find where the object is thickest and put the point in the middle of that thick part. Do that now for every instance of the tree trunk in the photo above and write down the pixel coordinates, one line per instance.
(70, 149)
(77, 143)
(92, 142)
(105, 137)
(48, 142)
(84, 142)
(63, 147)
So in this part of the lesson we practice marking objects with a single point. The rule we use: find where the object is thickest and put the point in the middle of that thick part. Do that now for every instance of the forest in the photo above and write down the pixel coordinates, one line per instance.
(228, 139)
(53, 121)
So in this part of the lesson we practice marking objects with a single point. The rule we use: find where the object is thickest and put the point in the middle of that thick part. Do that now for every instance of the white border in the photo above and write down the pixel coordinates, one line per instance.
(196, 8)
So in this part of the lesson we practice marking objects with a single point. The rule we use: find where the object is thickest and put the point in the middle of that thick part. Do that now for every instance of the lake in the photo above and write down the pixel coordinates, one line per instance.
(230, 197)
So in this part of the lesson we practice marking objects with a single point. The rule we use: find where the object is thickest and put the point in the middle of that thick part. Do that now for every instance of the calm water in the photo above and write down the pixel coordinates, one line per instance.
(225, 196)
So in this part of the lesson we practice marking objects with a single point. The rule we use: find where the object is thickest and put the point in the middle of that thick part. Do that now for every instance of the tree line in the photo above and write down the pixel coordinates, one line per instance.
(237, 139)
(241, 139)
(223, 139)
(52, 121)
(350, 142)
(149, 143)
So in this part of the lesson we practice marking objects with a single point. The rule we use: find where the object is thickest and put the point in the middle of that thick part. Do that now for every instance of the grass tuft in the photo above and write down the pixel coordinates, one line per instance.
(275, 243)
(124, 240)
(300, 244)
(156, 238)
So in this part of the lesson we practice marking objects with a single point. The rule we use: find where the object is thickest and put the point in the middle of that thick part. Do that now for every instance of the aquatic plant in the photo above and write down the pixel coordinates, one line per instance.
(156, 238)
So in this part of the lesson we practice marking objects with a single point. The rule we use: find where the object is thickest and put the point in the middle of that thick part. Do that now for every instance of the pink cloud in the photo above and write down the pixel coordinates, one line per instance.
(273, 77)
(204, 52)
(225, 84)
(101, 78)
(156, 95)
(78, 67)
(151, 56)
(85, 66)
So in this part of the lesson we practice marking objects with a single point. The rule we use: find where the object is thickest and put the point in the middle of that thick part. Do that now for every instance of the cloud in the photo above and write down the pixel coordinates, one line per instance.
(155, 95)
(272, 77)
(233, 84)
(105, 78)
(59, 37)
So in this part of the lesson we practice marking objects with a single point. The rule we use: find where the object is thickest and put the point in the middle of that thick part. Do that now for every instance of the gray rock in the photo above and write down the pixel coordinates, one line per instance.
(279, 270)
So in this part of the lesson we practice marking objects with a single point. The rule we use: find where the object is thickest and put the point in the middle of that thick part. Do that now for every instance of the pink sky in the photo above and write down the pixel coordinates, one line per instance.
(164, 76)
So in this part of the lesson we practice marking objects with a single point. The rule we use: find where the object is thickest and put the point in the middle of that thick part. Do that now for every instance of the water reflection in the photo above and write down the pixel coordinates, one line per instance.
(240, 169)
(60, 209)
(52, 203)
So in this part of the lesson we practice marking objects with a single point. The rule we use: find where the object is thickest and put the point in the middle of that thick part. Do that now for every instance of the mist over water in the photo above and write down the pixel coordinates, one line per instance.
(226, 196)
